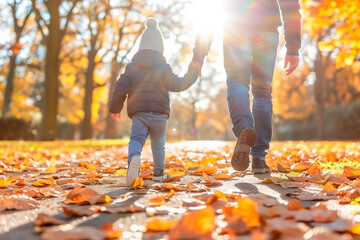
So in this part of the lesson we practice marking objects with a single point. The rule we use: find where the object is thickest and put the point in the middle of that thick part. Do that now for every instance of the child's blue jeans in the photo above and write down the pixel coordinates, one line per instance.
(249, 59)
(153, 124)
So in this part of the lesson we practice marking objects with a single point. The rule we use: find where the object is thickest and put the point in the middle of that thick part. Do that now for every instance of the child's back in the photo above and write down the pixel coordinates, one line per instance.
(146, 83)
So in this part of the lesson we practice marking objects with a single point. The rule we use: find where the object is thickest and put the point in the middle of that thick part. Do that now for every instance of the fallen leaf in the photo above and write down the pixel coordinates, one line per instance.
(80, 196)
(17, 202)
(272, 180)
(46, 220)
(44, 182)
(88, 233)
(138, 183)
(160, 224)
(302, 166)
(81, 210)
(294, 205)
(205, 169)
(314, 170)
(351, 173)
(174, 173)
(111, 233)
(198, 224)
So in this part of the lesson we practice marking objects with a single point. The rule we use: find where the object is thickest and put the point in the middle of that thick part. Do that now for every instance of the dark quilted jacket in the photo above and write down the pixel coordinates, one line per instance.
(146, 83)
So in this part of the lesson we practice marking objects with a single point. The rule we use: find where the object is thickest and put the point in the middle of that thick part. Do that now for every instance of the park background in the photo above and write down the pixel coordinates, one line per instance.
(59, 61)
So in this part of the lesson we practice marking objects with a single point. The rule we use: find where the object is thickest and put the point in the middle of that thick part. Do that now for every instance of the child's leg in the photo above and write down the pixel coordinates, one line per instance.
(138, 135)
(157, 131)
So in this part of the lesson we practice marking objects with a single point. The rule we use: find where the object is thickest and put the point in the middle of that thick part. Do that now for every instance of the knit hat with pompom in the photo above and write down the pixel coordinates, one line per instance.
(152, 37)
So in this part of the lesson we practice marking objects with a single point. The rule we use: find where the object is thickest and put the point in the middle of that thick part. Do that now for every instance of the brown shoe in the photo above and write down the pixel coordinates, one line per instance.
(246, 139)
(259, 166)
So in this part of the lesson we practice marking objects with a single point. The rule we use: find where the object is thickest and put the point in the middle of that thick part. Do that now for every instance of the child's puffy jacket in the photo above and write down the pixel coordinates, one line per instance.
(146, 82)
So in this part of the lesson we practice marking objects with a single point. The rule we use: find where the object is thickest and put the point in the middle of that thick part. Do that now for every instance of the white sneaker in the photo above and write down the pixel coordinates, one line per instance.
(133, 170)
(163, 175)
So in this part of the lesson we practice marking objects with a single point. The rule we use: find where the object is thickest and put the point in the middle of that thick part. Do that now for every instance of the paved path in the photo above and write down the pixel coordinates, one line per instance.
(16, 225)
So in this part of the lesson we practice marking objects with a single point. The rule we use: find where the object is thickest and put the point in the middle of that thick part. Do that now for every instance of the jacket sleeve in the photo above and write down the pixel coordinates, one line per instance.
(177, 84)
(120, 91)
(290, 10)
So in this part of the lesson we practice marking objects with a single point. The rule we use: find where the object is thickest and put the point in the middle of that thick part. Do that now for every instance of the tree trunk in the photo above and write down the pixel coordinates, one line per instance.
(9, 86)
(86, 128)
(110, 132)
(320, 92)
(194, 131)
(51, 95)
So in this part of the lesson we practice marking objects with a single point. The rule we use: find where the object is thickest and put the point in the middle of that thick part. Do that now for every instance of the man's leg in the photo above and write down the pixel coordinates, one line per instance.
(157, 131)
(264, 58)
(237, 61)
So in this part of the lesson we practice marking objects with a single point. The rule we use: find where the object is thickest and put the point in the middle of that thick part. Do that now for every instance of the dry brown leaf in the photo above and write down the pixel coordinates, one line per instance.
(80, 196)
(81, 210)
(294, 205)
(17, 202)
(88, 233)
(46, 220)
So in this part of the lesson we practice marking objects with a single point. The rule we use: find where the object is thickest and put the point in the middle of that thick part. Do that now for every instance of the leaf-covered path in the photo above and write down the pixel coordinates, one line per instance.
(80, 194)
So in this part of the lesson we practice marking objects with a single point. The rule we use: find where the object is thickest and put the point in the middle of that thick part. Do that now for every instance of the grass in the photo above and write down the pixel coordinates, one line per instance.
(337, 167)
(62, 144)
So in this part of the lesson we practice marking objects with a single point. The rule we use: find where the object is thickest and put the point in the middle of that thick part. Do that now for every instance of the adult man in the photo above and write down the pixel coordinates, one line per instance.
(250, 48)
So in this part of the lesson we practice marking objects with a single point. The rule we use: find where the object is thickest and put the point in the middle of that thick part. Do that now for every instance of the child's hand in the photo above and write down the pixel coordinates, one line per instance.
(198, 65)
(202, 45)
(116, 116)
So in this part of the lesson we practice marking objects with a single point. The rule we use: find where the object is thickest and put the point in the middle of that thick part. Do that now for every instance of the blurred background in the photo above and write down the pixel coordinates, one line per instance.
(60, 59)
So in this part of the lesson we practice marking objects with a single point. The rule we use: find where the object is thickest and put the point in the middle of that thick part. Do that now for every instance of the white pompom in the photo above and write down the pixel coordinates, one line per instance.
(151, 22)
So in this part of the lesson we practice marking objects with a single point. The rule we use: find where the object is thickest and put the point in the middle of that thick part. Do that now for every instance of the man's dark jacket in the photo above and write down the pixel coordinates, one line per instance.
(146, 82)
(265, 15)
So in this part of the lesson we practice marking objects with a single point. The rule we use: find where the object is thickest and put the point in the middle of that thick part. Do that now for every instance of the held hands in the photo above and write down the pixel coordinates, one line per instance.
(202, 45)
(291, 62)
(116, 116)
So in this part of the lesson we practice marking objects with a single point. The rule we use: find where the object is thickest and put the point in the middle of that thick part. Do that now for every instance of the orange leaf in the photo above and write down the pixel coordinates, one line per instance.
(224, 176)
(121, 172)
(205, 169)
(329, 188)
(51, 168)
(138, 183)
(247, 209)
(174, 173)
(351, 173)
(294, 205)
(157, 201)
(314, 170)
(43, 183)
(111, 233)
(198, 224)
(17, 202)
(302, 166)
(80, 196)
(160, 224)
(272, 180)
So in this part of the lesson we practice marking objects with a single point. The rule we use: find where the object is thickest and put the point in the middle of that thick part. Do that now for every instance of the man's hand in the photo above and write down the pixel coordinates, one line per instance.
(116, 116)
(292, 61)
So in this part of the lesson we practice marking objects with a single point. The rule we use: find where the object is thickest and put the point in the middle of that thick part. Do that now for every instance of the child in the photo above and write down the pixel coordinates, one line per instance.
(146, 83)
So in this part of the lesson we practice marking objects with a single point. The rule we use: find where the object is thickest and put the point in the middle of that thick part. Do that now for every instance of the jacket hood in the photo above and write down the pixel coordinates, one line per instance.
(147, 58)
